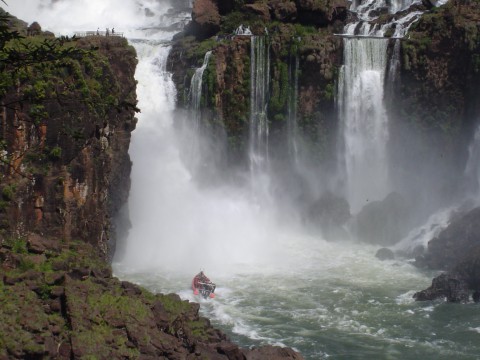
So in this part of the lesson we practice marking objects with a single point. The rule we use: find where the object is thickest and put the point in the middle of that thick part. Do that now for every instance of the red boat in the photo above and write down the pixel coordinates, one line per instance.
(202, 285)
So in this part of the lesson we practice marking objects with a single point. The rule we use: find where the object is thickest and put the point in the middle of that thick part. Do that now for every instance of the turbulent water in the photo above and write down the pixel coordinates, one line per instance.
(277, 284)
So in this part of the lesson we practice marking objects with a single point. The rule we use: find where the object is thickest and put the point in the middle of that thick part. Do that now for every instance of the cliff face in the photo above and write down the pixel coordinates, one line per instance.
(436, 98)
(68, 109)
(455, 250)
(433, 96)
(432, 104)
(299, 52)
(65, 131)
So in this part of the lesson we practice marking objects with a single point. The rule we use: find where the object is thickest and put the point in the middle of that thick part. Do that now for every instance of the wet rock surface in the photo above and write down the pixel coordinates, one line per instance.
(455, 250)
(82, 311)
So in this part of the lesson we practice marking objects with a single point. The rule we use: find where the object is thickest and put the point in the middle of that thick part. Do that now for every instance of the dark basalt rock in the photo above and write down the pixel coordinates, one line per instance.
(385, 254)
(205, 19)
(456, 250)
(382, 222)
(452, 287)
(329, 213)
(455, 243)
(272, 353)
(283, 10)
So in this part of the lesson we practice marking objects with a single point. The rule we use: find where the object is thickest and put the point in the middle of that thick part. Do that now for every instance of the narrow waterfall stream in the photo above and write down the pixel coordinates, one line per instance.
(259, 83)
(292, 107)
(195, 95)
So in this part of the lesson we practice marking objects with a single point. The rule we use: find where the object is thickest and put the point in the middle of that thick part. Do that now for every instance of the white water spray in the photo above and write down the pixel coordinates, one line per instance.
(365, 122)
(292, 127)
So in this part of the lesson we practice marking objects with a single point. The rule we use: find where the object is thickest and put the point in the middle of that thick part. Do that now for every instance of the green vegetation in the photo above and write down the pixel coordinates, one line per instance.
(280, 89)
(8, 192)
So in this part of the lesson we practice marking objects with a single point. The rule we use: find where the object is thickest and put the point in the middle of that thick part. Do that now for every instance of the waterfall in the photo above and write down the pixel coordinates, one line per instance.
(259, 82)
(361, 97)
(243, 31)
(292, 136)
(195, 94)
(369, 10)
(364, 120)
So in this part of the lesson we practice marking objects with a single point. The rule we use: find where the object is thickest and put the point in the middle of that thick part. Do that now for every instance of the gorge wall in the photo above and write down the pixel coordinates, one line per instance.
(300, 31)
(68, 110)
(437, 73)
(430, 96)
(65, 129)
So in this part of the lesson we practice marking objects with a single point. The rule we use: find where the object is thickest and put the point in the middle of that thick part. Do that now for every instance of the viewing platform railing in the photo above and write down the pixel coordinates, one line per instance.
(97, 33)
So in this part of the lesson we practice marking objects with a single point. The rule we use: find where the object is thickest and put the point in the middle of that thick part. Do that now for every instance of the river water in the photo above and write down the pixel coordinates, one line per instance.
(277, 282)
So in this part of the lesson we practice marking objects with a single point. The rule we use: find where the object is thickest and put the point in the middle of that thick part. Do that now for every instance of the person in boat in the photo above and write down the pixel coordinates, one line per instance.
(202, 282)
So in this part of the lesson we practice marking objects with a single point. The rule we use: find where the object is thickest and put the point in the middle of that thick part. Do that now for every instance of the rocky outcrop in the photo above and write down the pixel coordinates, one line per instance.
(321, 13)
(455, 250)
(205, 19)
(61, 301)
(382, 222)
(455, 243)
(384, 254)
(65, 137)
(330, 213)
(285, 11)
(226, 93)
(451, 287)
(436, 101)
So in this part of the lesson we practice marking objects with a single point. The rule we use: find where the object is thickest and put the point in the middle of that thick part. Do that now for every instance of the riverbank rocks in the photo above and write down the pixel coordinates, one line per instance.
(455, 243)
(455, 250)
(82, 311)
(272, 353)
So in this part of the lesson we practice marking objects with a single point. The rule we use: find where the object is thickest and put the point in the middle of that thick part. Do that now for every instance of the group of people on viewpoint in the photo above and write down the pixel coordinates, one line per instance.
(107, 32)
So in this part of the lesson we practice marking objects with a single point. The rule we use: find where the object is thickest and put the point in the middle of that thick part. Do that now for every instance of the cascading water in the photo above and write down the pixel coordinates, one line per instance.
(361, 98)
(259, 85)
(292, 137)
(192, 154)
(365, 122)
(276, 284)
(195, 94)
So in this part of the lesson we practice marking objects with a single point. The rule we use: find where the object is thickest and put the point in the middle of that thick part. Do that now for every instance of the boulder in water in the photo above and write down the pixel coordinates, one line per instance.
(455, 243)
(329, 213)
(450, 286)
(382, 222)
(385, 254)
